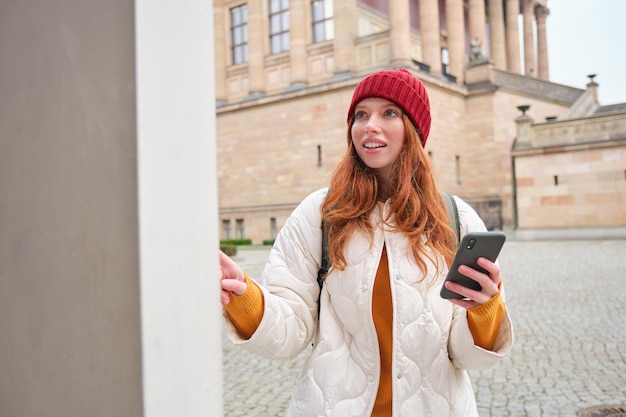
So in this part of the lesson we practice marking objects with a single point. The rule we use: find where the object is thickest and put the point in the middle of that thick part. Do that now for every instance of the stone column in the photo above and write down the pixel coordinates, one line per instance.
(256, 66)
(297, 44)
(344, 12)
(528, 7)
(399, 32)
(431, 44)
(512, 37)
(543, 70)
(498, 41)
(221, 55)
(456, 38)
(477, 22)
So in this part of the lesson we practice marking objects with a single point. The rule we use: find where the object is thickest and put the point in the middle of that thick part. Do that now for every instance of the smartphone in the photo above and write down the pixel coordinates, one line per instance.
(473, 245)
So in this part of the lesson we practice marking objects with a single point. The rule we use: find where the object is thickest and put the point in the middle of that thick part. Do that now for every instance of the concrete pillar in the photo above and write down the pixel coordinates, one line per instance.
(524, 128)
(298, 42)
(498, 37)
(344, 16)
(456, 38)
(543, 70)
(256, 48)
(219, 44)
(513, 60)
(528, 11)
(177, 209)
(592, 88)
(400, 32)
(431, 43)
(477, 22)
(109, 300)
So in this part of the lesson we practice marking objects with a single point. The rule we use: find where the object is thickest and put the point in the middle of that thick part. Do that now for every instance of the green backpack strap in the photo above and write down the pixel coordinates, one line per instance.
(325, 266)
(453, 213)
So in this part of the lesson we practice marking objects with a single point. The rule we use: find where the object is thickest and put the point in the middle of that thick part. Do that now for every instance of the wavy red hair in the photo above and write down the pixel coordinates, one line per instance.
(417, 209)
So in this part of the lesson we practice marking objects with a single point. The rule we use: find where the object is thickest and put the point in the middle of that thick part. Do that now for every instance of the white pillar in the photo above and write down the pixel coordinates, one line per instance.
(180, 308)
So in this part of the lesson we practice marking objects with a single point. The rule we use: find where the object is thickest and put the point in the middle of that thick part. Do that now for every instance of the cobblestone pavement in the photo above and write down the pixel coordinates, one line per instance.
(567, 300)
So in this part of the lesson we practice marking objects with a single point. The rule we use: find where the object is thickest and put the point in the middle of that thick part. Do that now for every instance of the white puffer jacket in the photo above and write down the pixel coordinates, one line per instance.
(432, 342)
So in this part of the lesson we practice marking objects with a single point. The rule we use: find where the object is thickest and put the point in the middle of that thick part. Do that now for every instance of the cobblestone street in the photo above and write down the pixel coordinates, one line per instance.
(567, 300)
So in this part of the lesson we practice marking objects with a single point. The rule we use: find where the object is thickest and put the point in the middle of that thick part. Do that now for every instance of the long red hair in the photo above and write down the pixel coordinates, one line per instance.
(417, 209)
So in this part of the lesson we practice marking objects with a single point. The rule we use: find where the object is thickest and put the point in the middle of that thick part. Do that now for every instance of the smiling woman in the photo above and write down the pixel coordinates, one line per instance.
(378, 321)
(378, 134)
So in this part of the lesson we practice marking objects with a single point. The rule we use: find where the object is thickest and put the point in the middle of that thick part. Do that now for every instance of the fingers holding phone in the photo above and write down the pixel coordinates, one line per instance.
(489, 284)
(474, 276)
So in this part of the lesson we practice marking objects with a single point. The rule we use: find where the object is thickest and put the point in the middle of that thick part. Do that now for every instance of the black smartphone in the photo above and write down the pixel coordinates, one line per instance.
(473, 245)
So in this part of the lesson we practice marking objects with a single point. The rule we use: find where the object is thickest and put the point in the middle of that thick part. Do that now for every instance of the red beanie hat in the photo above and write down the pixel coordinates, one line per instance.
(404, 89)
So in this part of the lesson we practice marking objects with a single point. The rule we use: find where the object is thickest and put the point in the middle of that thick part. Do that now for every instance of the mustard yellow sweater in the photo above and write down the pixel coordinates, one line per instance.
(246, 311)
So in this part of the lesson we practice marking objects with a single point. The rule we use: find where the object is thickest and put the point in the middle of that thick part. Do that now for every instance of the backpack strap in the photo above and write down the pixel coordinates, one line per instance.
(325, 266)
(453, 213)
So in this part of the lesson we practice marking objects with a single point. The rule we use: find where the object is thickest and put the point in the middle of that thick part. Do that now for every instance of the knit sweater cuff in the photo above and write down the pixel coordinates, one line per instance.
(485, 320)
(246, 311)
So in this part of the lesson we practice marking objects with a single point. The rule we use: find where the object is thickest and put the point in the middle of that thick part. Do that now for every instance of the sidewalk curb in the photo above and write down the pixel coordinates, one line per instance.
(613, 233)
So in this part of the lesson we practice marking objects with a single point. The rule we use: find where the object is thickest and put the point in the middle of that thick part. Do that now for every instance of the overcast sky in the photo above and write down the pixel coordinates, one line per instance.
(589, 37)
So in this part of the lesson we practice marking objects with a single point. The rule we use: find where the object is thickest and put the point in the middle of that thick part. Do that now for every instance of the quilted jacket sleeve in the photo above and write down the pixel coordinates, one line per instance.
(463, 352)
(289, 286)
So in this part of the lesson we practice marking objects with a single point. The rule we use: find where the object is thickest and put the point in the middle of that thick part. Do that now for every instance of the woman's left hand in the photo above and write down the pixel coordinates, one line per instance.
(490, 284)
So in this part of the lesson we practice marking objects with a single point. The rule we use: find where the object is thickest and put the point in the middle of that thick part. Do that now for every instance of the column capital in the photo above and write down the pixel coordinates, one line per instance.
(527, 5)
(541, 13)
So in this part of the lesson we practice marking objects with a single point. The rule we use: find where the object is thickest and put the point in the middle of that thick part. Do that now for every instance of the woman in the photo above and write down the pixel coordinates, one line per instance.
(385, 343)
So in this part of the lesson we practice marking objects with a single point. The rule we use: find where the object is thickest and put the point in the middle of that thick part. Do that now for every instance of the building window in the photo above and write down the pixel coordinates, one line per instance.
(226, 228)
(279, 26)
(240, 230)
(458, 169)
(239, 33)
(319, 155)
(445, 61)
(273, 231)
(323, 29)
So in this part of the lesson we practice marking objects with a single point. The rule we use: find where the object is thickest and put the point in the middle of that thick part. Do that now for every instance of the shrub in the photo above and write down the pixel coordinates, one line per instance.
(228, 249)
(236, 242)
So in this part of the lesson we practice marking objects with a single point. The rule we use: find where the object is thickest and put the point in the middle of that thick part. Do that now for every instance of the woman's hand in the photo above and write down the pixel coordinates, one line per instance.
(490, 284)
(231, 278)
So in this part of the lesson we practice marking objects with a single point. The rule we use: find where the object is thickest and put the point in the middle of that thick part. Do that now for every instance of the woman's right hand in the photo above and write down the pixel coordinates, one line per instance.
(232, 278)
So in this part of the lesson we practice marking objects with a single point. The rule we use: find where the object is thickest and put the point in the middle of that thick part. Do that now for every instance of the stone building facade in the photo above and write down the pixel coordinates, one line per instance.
(571, 172)
(286, 69)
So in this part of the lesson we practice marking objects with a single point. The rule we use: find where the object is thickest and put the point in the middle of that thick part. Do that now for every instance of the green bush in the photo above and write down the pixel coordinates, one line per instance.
(268, 242)
(236, 242)
(228, 249)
